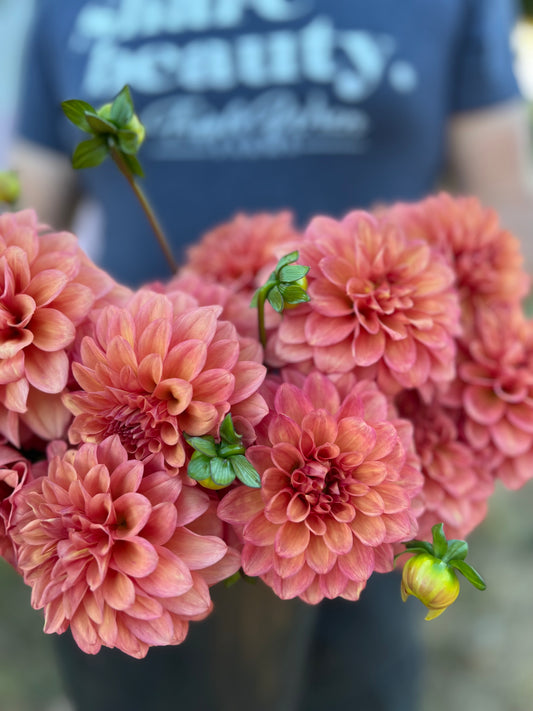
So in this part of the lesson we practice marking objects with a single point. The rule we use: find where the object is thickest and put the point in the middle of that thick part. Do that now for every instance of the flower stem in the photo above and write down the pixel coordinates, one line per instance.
(261, 298)
(143, 200)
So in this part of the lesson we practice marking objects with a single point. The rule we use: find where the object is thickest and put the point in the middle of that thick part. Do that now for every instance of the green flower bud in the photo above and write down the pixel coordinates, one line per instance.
(9, 187)
(133, 124)
(432, 581)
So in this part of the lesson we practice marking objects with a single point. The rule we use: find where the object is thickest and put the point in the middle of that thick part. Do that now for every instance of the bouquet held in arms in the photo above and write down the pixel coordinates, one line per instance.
(159, 441)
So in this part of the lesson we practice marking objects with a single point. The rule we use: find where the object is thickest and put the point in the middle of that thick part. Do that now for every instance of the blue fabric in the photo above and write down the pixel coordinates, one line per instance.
(319, 106)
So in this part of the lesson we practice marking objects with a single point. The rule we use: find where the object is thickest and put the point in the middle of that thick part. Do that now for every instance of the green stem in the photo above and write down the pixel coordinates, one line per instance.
(143, 200)
(261, 298)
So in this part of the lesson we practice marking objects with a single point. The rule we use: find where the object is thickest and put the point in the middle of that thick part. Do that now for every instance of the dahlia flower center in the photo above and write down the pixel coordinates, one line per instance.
(320, 483)
(134, 427)
(379, 295)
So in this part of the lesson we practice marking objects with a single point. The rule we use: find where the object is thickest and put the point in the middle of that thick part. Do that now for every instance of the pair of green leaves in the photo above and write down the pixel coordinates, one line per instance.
(452, 552)
(224, 461)
(114, 126)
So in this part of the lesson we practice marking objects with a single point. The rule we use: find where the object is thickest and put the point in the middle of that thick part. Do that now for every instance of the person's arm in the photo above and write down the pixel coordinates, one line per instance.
(489, 153)
(48, 183)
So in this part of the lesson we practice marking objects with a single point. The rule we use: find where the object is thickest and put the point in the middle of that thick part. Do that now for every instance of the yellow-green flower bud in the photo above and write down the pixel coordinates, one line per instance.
(133, 124)
(9, 187)
(432, 581)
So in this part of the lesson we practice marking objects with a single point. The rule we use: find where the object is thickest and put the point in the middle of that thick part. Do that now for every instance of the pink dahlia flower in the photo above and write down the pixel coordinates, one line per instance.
(105, 542)
(457, 483)
(336, 493)
(235, 253)
(377, 300)
(159, 369)
(495, 389)
(48, 288)
(15, 472)
(485, 257)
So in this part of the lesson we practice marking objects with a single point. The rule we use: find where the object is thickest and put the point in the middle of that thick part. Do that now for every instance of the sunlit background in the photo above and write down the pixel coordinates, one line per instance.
(479, 654)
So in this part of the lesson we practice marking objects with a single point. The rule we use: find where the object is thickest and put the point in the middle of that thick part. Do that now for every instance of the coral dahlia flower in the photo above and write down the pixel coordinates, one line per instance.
(105, 542)
(161, 368)
(48, 288)
(336, 493)
(377, 299)
(457, 483)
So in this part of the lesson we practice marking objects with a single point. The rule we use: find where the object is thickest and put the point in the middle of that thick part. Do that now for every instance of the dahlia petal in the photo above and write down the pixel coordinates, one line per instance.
(370, 530)
(286, 457)
(298, 508)
(46, 285)
(520, 415)
(509, 439)
(12, 369)
(222, 569)
(394, 498)
(248, 378)
(46, 415)
(369, 347)
(156, 632)
(328, 299)
(161, 524)
(353, 590)
(75, 301)
(84, 633)
(282, 429)
(128, 643)
(400, 355)
(339, 358)
(291, 539)
(257, 560)
(145, 608)
(358, 563)
(47, 372)
(51, 329)
(332, 585)
(316, 524)
(240, 505)
(132, 511)
(54, 616)
(483, 405)
(192, 503)
(171, 577)
(120, 354)
(135, 557)
(321, 426)
(19, 339)
(199, 419)
(319, 556)
(16, 396)
(276, 508)
(196, 551)
(213, 386)
(355, 435)
(260, 531)
(185, 360)
(198, 324)
(292, 402)
(338, 536)
(118, 590)
(400, 527)
(293, 586)
(108, 628)
(326, 331)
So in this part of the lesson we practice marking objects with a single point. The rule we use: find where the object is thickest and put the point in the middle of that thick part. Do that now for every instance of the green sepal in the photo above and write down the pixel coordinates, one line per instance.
(230, 582)
(100, 125)
(245, 472)
(221, 471)
(470, 573)
(292, 273)
(275, 299)
(74, 110)
(227, 431)
(122, 107)
(440, 544)
(204, 445)
(199, 467)
(293, 294)
(89, 154)
(457, 550)
(128, 141)
(287, 259)
(419, 547)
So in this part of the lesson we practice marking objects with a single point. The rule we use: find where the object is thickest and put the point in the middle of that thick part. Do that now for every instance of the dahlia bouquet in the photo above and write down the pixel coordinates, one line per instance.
(159, 441)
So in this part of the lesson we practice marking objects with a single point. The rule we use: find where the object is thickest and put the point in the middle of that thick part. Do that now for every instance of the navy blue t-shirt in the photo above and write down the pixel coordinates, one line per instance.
(319, 106)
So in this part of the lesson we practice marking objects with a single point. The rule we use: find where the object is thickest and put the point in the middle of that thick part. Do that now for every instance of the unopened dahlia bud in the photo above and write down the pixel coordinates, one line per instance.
(432, 581)
(9, 187)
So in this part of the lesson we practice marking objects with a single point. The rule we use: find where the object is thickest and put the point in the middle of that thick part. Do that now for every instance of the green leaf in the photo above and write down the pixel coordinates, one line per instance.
(122, 107)
(128, 141)
(470, 573)
(245, 472)
(89, 154)
(133, 164)
(287, 259)
(221, 471)
(419, 547)
(199, 467)
(440, 544)
(294, 294)
(292, 273)
(275, 299)
(227, 431)
(74, 110)
(205, 445)
(100, 125)
(229, 582)
(457, 550)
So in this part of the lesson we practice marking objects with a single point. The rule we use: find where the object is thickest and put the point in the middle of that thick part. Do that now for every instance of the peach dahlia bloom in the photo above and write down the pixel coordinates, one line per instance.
(378, 300)
(107, 546)
(495, 389)
(485, 257)
(161, 368)
(336, 493)
(457, 482)
(236, 252)
(48, 288)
